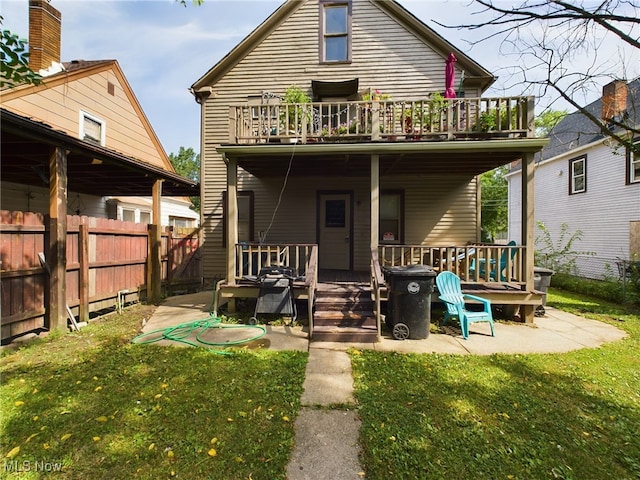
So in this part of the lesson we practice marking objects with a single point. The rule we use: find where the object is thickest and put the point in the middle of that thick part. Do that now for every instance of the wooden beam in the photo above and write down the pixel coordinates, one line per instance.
(375, 222)
(232, 225)
(375, 202)
(232, 219)
(528, 229)
(83, 256)
(154, 267)
(57, 251)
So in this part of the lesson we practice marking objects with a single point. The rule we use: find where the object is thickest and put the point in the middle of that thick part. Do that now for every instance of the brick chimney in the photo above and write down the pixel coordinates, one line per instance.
(614, 99)
(45, 26)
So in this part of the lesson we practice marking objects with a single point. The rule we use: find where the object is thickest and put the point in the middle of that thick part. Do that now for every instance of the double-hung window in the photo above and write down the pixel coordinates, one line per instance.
(335, 28)
(634, 164)
(578, 175)
(391, 208)
(245, 217)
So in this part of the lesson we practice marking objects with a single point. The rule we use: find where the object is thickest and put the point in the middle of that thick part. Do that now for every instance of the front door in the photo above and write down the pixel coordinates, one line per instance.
(335, 230)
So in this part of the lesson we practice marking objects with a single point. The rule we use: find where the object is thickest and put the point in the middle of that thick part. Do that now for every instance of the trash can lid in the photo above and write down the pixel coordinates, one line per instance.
(543, 270)
(410, 270)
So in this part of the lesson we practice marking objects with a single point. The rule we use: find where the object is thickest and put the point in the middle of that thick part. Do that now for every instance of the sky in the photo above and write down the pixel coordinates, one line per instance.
(163, 48)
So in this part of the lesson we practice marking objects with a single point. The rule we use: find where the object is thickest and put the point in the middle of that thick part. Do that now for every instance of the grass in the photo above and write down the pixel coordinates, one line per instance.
(97, 406)
(567, 416)
(93, 405)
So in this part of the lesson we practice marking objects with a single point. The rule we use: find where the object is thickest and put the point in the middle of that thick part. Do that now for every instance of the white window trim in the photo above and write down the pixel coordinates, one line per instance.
(572, 177)
(634, 161)
(103, 126)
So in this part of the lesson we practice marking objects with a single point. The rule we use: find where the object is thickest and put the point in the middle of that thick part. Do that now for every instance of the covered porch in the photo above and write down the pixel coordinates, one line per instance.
(418, 162)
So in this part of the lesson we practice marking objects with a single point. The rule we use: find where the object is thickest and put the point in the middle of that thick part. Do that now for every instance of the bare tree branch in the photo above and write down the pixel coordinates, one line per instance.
(561, 50)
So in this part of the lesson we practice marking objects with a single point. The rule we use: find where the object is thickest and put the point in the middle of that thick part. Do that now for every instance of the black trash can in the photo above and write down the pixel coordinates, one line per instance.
(409, 302)
(541, 282)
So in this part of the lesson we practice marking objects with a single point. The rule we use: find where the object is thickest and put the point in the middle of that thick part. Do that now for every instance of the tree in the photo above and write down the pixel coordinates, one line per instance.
(14, 64)
(494, 206)
(187, 164)
(547, 120)
(548, 38)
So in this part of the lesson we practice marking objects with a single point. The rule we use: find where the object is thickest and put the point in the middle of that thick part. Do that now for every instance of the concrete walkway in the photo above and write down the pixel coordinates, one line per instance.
(326, 439)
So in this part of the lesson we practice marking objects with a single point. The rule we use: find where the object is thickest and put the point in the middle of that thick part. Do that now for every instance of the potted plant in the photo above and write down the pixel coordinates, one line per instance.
(292, 110)
(486, 122)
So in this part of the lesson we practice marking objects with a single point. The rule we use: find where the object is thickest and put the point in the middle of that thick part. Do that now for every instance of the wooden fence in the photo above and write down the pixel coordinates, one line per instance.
(106, 266)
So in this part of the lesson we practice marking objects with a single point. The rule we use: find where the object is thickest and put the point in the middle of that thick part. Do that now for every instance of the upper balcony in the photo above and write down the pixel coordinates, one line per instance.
(431, 119)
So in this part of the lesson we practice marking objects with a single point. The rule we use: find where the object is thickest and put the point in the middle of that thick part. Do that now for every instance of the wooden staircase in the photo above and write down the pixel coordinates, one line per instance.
(344, 312)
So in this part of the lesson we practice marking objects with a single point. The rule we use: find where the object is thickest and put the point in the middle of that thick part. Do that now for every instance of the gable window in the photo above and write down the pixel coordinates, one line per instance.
(634, 164)
(578, 175)
(92, 129)
(335, 28)
(391, 224)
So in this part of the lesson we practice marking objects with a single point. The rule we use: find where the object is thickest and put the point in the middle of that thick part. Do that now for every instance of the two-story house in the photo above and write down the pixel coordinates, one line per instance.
(590, 183)
(328, 145)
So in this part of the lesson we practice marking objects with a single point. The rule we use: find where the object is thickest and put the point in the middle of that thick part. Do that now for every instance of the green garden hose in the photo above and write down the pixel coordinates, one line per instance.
(182, 331)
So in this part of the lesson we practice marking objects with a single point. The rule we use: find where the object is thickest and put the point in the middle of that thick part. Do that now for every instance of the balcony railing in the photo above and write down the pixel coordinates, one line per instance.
(385, 120)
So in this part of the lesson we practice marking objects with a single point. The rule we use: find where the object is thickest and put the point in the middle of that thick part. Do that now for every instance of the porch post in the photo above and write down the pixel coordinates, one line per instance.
(375, 224)
(527, 234)
(154, 266)
(57, 251)
(232, 219)
(375, 201)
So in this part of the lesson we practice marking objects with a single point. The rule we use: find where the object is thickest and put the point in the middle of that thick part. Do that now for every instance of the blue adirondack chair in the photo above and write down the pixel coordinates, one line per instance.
(499, 272)
(450, 293)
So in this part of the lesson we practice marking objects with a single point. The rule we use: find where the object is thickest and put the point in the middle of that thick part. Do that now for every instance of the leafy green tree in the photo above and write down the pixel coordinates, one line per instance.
(494, 206)
(187, 164)
(14, 61)
(547, 120)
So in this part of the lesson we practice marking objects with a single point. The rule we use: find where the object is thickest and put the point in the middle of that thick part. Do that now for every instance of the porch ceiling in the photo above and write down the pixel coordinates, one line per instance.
(27, 146)
(468, 158)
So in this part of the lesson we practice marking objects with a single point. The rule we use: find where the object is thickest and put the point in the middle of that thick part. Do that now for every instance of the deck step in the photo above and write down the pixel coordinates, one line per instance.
(330, 334)
(344, 313)
(343, 304)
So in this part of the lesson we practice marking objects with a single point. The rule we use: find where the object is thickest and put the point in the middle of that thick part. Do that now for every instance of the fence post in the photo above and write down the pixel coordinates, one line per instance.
(171, 260)
(83, 257)
(57, 251)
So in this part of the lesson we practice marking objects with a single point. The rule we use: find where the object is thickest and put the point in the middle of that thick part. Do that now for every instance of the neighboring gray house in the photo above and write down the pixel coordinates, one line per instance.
(590, 182)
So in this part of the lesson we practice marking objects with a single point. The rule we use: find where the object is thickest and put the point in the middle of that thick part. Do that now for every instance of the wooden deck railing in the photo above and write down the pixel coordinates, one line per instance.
(472, 263)
(251, 258)
(377, 282)
(387, 120)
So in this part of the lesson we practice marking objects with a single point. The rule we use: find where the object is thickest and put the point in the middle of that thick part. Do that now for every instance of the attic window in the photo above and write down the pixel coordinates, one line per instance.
(335, 28)
(92, 129)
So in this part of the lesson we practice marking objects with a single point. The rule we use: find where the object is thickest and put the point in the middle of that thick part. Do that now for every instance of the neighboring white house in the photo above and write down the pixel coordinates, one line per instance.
(589, 182)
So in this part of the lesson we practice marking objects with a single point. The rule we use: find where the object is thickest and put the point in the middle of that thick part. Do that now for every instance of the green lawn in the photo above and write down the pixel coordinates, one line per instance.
(98, 406)
(567, 416)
